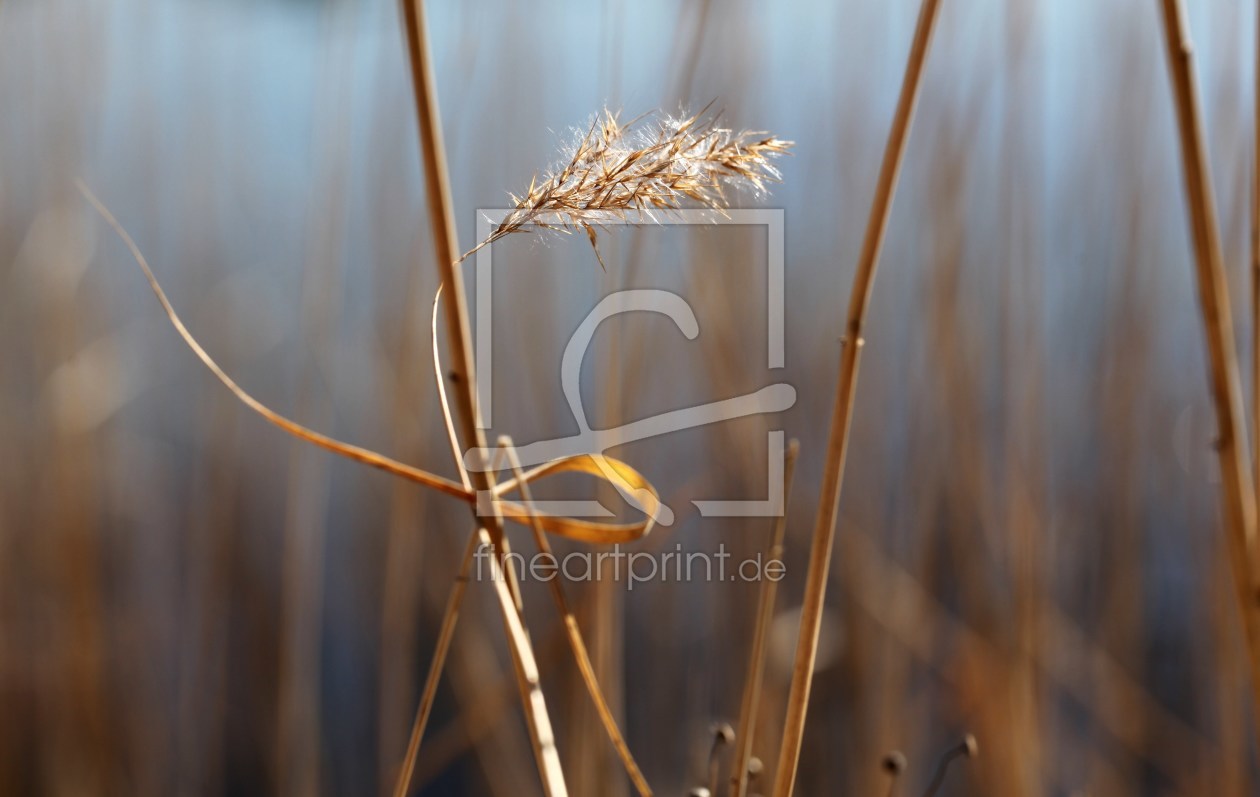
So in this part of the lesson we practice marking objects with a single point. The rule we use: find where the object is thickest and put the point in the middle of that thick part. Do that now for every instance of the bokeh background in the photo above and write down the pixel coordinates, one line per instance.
(1029, 546)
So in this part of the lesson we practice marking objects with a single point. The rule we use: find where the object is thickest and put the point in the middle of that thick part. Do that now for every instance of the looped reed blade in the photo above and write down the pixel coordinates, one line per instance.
(628, 481)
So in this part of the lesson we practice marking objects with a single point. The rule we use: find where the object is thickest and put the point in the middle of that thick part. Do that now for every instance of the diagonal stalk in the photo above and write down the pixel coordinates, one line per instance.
(1237, 496)
(761, 634)
(577, 644)
(427, 695)
(842, 412)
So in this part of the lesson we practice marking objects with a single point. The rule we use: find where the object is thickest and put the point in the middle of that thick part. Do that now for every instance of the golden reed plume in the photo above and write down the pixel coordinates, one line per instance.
(654, 163)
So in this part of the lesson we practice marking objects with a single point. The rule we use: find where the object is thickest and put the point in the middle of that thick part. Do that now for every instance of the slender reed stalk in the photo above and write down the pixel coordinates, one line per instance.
(459, 337)
(541, 738)
(1255, 267)
(478, 717)
(837, 446)
(761, 633)
(449, 618)
(573, 633)
(1238, 498)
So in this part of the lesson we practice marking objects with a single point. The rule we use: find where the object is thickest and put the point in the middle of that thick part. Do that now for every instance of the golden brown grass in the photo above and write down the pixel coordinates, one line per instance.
(897, 603)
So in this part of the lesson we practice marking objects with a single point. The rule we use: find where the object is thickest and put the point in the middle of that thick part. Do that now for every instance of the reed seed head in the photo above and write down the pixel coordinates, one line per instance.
(653, 164)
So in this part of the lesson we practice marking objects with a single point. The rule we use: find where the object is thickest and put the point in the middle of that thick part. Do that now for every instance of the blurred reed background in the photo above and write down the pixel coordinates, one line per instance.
(1029, 546)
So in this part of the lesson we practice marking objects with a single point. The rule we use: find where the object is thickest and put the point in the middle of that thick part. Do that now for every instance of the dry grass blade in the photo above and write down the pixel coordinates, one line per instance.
(1238, 498)
(606, 468)
(842, 411)
(650, 165)
(297, 430)
(577, 644)
(761, 633)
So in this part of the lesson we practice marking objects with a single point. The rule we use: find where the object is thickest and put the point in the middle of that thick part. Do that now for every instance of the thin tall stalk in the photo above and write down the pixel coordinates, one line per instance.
(761, 633)
(1237, 496)
(842, 412)
(459, 337)
(427, 695)
(1255, 265)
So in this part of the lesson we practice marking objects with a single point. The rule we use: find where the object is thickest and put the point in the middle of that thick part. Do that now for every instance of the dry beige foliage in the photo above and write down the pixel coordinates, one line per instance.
(652, 164)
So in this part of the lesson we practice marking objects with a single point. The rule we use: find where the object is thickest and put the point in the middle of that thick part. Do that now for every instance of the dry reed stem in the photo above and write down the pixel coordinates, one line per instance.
(1238, 496)
(761, 633)
(525, 666)
(459, 338)
(478, 717)
(833, 473)
(449, 619)
(646, 166)
(574, 634)
(347, 450)
(1255, 269)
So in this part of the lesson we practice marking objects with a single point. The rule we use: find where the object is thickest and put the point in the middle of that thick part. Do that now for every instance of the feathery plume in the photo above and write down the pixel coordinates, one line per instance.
(654, 163)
